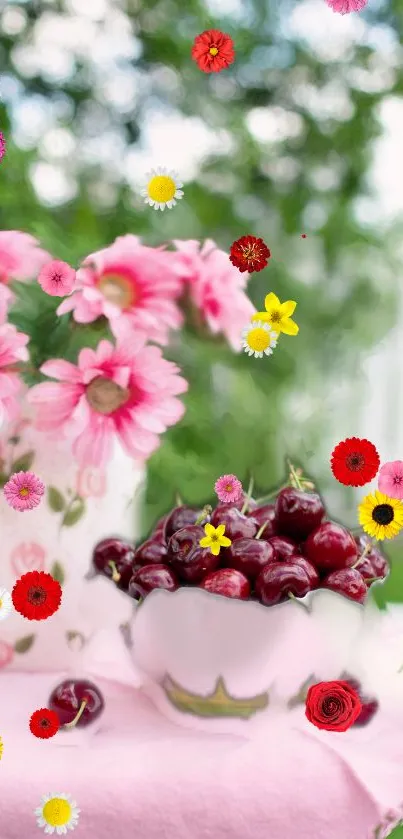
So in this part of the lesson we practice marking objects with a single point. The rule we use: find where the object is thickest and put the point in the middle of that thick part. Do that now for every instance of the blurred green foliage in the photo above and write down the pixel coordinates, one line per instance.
(239, 416)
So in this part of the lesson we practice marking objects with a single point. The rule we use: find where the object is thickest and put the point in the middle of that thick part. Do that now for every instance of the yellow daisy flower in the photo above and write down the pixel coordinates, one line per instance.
(214, 538)
(57, 813)
(380, 516)
(278, 314)
(259, 339)
(163, 189)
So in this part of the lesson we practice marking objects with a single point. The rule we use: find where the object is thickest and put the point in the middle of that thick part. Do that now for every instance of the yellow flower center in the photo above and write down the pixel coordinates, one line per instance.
(117, 290)
(161, 188)
(213, 51)
(23, 492)
(258, 339)
(228, 487)
(57, 812)
(275, 316)
(105, 396)
(214, 537)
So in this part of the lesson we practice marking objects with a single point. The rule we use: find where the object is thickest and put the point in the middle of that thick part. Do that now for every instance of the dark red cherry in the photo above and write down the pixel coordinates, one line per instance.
(378, 562)
(149, 577)
(187, 558)
(284, 548)
(159, 528)
(240, 504)
(249, 556)
(331, 547)
(150, 552)
(298, 513)
(265, 515)
(311, 571)
(68, 698)
(366, 569)
(180, 517)
(228, 582)
(237, 526)
(115, 551)
(280, 579)
(347, 581)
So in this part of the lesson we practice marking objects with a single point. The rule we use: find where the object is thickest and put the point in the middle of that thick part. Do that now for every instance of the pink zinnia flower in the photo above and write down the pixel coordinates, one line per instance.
(57, 278)
(216, 288)
(24, 491)
(129, 284)
(390, 479)
(126, 391)
(2, 146)
(343, 7)
(20, 256)
(12, 349)
(228, 488)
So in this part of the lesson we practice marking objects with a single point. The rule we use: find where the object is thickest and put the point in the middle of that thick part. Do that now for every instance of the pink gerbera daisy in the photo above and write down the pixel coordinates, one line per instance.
(344, 7)
(127, 391)
(390, 479)
(24, 491)
(134, 286)
(57, 278)
(216, 288)
(228, 489)
(20, 256)
(12, 350)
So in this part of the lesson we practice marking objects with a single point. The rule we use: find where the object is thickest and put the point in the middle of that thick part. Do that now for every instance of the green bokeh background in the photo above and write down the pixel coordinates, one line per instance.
(243, 416)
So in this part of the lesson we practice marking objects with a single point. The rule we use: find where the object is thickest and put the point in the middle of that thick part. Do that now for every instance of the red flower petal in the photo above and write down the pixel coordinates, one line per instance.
(44, 723)
(249, 254)
(36, 595)
(354, 462)
(213, 39)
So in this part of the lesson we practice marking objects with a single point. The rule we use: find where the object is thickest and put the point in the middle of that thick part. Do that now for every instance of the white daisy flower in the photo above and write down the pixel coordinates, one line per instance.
(58, 813)
(259, 339)
(163, 187)
(6, 604)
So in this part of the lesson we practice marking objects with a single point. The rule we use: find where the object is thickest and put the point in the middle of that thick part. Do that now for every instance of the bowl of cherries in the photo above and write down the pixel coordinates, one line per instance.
(229, 619)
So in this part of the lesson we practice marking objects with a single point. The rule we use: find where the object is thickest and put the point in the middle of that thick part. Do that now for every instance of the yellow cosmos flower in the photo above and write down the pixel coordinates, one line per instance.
(278, 314)
(380, 516)
(214, 538)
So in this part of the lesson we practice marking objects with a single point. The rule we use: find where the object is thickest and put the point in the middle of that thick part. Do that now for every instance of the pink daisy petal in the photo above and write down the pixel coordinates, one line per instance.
(57, 278)
(390, 479)
(24, 491)
(228, 489)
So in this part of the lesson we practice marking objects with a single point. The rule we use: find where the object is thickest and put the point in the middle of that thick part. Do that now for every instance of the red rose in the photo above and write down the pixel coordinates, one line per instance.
(334, 706)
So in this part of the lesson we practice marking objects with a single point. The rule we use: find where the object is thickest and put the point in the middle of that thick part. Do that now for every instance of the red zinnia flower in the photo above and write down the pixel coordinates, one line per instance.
(249, 254)
(213, 51)
(44, 723)
(354, 462)
(36, 595)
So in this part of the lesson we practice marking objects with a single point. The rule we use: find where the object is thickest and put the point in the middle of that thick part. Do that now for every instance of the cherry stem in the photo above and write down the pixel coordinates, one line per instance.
(115, 573)
(204, 514)
(271, 495)
(78, 715)
(367, 549)
(373, 580)
(248, 496)
(178, 500)
(260, 531)
(294, 477)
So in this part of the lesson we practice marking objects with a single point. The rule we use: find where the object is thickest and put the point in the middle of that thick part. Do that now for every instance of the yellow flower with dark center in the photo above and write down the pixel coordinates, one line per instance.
(214, 538)
(278, 314)
(380, 516)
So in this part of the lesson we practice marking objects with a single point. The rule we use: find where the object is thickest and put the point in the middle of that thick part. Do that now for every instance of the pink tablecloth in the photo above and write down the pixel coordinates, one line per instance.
(142, 777)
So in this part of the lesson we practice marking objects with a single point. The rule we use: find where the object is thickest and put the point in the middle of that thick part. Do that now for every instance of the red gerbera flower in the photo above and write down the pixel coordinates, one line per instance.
(36, 595)
(44, 723)
(213, 51)
(249, 254)
(354, 462)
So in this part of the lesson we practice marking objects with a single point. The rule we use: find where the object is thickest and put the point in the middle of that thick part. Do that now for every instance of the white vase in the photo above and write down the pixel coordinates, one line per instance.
(81, 507)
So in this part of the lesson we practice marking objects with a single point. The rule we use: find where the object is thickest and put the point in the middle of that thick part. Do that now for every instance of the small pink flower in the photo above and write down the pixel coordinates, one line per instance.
(131, 285)
(2, 146)
(344, 7)
(216, 288)
(126, 391)
(228, 488)
(91, 482)
(6, 654)
(20, 256)
(390, 479)
(24, 491)
(57, 278)
(27, 556)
